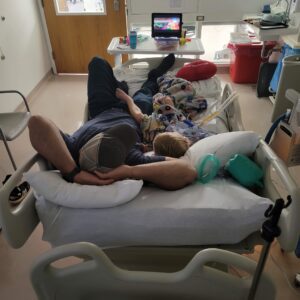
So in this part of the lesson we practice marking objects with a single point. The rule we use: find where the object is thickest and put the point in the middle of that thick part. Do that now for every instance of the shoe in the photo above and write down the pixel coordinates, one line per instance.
(18, 193)
(163, 67)
(123, 86)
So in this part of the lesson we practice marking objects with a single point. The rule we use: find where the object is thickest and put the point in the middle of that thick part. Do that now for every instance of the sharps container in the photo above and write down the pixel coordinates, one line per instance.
(245, 60)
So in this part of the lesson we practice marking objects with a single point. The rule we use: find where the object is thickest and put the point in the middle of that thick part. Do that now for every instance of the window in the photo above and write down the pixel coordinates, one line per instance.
(215, 39)
(80, 7)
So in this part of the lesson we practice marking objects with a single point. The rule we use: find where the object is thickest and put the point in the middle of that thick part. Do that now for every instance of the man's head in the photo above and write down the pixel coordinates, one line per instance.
(107, 150)
(172, 144)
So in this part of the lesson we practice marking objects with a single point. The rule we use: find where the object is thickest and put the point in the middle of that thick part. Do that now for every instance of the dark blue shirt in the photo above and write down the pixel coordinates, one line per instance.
(102, 122)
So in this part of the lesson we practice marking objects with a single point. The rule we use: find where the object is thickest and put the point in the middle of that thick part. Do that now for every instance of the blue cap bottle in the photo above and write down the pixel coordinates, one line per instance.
(132, 39)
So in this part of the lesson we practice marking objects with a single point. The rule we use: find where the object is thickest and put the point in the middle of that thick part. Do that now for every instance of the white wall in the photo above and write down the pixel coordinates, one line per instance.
(24, 46)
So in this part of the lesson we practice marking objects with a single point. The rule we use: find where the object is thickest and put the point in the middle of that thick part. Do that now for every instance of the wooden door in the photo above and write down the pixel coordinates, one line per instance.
(75, 39)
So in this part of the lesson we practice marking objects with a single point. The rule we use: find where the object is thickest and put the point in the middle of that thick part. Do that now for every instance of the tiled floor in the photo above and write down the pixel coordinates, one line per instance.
(62, 99)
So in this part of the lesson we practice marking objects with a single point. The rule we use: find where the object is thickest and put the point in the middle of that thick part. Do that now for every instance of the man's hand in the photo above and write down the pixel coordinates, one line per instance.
(87, 178)
(119, 173)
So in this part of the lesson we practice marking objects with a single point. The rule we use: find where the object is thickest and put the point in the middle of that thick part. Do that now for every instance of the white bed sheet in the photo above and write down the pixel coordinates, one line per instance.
(220, 212)
(210, 88)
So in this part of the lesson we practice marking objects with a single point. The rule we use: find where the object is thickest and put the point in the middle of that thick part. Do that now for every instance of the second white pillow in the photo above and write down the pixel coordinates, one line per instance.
(54, 188)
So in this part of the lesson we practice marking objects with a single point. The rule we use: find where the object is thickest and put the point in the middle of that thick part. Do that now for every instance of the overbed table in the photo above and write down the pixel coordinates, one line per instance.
(193, 47)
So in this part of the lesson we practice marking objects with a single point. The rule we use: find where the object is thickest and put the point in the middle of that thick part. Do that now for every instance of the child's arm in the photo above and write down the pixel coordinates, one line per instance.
(134, 110)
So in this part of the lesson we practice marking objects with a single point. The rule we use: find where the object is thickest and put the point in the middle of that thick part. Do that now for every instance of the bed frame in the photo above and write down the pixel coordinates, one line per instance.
(19, 222)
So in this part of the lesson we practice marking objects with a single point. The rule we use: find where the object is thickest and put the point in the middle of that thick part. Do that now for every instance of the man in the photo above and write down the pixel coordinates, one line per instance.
(110, 138)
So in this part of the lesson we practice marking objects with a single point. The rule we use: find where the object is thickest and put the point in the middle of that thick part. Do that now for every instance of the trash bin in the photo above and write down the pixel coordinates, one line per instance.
(245, 60)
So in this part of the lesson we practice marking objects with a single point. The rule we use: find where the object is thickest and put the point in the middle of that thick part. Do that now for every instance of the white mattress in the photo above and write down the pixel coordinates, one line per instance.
(220, 212)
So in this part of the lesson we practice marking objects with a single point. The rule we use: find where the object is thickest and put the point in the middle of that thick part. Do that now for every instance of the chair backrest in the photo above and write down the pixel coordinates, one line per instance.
(18, 93)
(12, 124)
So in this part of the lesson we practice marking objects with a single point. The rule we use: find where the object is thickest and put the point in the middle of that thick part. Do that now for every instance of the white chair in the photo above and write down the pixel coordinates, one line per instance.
(12, 124)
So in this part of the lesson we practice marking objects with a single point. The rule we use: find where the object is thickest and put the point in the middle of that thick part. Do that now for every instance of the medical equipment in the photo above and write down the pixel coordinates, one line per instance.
(286, 140)
(289, 79)
(208, 168)
(245, 171)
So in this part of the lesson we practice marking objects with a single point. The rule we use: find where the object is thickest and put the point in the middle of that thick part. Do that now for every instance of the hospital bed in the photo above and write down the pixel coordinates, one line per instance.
(125, 231)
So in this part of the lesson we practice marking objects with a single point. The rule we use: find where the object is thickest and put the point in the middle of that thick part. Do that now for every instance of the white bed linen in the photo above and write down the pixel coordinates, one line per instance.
(135, 77)
(210, 89)
(220, 212)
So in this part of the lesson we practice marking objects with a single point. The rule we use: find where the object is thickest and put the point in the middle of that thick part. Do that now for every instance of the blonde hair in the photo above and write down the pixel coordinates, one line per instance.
(172, 144)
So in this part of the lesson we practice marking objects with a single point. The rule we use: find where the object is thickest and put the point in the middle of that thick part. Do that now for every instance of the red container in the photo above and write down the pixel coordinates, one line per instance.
(245, 60)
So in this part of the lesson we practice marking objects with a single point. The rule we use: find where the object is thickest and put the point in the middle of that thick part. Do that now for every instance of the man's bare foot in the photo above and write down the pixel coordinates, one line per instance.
(120, 94)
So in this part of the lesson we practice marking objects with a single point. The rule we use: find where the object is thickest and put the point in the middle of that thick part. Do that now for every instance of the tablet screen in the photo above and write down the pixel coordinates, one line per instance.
(166, 24)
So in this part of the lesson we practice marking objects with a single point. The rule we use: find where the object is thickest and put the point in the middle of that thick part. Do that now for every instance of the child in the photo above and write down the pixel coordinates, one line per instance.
(182, 133)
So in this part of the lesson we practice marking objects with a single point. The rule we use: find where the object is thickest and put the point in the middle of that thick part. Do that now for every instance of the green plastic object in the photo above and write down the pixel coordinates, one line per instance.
(207, 168)
(245, 171)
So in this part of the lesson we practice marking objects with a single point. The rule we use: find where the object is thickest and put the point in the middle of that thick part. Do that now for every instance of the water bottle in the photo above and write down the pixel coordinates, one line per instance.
(132, 39)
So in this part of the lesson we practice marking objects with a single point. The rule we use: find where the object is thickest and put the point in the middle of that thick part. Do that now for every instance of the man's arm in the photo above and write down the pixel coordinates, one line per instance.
(170, 175)
(134, 110)
(46, 139)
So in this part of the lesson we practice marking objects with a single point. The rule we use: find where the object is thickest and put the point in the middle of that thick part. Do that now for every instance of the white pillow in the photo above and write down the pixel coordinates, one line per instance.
(53, 188)
(224, 146)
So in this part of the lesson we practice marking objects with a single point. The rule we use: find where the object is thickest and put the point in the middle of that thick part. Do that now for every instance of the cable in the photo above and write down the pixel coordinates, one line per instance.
(274, 126)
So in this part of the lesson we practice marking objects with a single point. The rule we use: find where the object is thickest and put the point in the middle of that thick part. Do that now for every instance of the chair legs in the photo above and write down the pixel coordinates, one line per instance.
(8, 150)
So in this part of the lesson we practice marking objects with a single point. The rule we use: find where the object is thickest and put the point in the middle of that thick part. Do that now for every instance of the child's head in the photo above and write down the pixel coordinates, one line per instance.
(172, 144)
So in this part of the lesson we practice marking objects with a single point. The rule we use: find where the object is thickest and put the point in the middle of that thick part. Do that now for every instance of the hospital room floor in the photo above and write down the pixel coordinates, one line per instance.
(62, 99)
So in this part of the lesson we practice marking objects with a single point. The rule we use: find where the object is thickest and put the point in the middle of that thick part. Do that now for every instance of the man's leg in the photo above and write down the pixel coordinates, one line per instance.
(143, 97)
(102, 86)
(46, 139)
